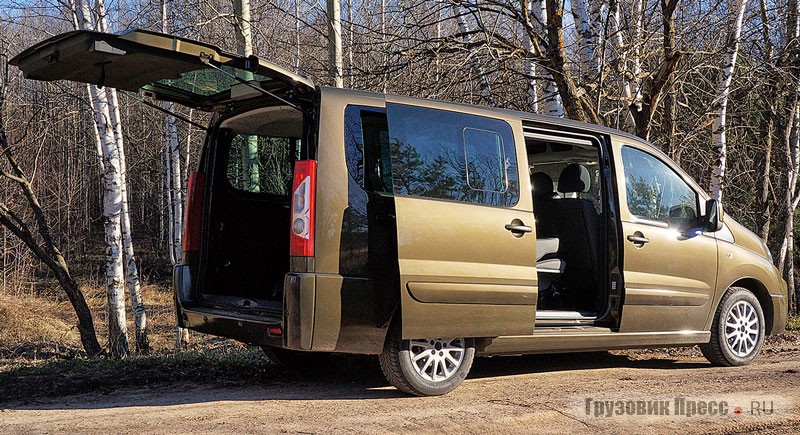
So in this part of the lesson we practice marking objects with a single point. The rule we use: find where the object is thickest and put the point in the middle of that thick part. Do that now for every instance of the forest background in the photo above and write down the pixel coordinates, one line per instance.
(88, 173)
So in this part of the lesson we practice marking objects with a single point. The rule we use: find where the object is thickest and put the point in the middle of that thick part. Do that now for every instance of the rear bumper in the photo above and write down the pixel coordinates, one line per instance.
(295, 321)
(253, 330)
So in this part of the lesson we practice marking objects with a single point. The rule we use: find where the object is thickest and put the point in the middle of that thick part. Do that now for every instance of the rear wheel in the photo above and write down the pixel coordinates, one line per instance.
(737, 333)
(426, 367)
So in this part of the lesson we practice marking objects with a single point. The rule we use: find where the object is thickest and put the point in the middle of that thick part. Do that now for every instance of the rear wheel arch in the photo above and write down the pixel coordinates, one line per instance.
(762, 294)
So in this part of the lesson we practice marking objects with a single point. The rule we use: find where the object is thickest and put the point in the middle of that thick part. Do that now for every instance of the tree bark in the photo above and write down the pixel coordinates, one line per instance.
(465, 31)
(551, 99)
(574, 99)
(130, 266)
(112, 206)
(335, 42)
(48, 252)
(766, 130)
(720, 106)
(587, 39)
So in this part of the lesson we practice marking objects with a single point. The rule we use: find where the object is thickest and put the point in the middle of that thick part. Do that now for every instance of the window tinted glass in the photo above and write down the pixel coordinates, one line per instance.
(366, 139)
(486, 169)
(261, 164)
(655, 191)
(449, 155)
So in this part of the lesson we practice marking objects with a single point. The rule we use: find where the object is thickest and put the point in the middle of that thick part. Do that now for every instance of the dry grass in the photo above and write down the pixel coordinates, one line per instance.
(40, 352)
(41, 325)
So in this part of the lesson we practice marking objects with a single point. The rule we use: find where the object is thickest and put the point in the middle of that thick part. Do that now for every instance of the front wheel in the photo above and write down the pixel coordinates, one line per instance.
(737, 333)
(426, 367)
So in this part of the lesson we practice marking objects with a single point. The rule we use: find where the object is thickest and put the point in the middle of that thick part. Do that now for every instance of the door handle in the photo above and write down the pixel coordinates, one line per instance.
(638, 239)
(519, 228)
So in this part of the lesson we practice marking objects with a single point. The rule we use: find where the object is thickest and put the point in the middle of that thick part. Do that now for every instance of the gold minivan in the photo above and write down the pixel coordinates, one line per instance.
(332, 220)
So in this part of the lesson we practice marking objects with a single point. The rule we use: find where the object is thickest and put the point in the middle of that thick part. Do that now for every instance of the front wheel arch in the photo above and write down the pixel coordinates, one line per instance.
(738, 329)
(762, 294)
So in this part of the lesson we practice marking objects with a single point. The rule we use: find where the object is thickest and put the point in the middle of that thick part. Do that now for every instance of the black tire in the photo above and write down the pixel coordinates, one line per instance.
(740, 344)
(399, 370)
(302, 362)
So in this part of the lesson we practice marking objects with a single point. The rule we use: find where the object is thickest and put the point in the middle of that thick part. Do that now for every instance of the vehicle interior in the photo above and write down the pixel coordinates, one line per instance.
(568, 202)
(247, 236)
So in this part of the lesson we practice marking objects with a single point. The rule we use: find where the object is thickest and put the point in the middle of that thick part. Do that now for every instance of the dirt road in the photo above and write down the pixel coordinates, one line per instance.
(571, 393)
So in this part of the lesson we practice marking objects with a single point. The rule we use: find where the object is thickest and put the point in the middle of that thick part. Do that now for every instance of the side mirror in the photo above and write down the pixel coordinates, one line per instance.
(713, 217)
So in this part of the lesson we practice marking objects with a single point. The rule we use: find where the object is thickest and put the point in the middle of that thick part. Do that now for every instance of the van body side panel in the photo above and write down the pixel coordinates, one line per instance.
(354, 298)
(736, 264)
(449, 250)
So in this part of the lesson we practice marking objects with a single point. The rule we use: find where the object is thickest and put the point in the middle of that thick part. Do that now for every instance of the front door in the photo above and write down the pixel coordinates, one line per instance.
(466, 246)
(670, 263)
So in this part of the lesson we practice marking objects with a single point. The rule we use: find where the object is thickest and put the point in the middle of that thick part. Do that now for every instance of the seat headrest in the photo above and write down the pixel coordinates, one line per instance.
(542, 185)
(574, 178)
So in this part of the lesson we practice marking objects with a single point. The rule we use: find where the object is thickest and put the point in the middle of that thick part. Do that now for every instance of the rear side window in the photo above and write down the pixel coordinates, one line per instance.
(366, 139)
(450, 155)
(654, 191)
(261, 164)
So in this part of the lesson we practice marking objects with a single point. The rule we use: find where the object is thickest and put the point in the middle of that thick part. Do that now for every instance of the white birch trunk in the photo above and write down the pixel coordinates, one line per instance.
(187, 152)
(720, 107)
(335, 42)
(530, 71)
(464, 29)
(587, 40)
(131, 268)
(636, 59)
(168, 189)
(112, 203)
(173, 183)
(550, 96)
(621, 52)
(244, 36)
(791, 200)
(350, 42)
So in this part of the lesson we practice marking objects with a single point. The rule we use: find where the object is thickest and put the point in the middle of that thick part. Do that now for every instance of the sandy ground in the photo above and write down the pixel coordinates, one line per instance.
(568, 393)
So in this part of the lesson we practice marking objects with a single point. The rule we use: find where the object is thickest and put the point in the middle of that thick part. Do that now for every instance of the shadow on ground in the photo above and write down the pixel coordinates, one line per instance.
(246, 375)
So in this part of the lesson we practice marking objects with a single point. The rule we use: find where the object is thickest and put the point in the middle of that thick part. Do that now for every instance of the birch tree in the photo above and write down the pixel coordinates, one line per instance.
(111, 146)
(587, 38)
(335, 42)
(130, 266)
(551, 99)
(791, 141)
(174, 183)
(465, 32)
(720, 107)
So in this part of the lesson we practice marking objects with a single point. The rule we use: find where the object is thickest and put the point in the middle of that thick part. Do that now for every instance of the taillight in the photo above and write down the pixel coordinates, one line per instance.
(304, 188)
(194, 212)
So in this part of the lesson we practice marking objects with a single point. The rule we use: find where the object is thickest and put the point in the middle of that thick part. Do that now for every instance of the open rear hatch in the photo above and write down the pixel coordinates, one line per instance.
(243, 204)
(165, 67)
